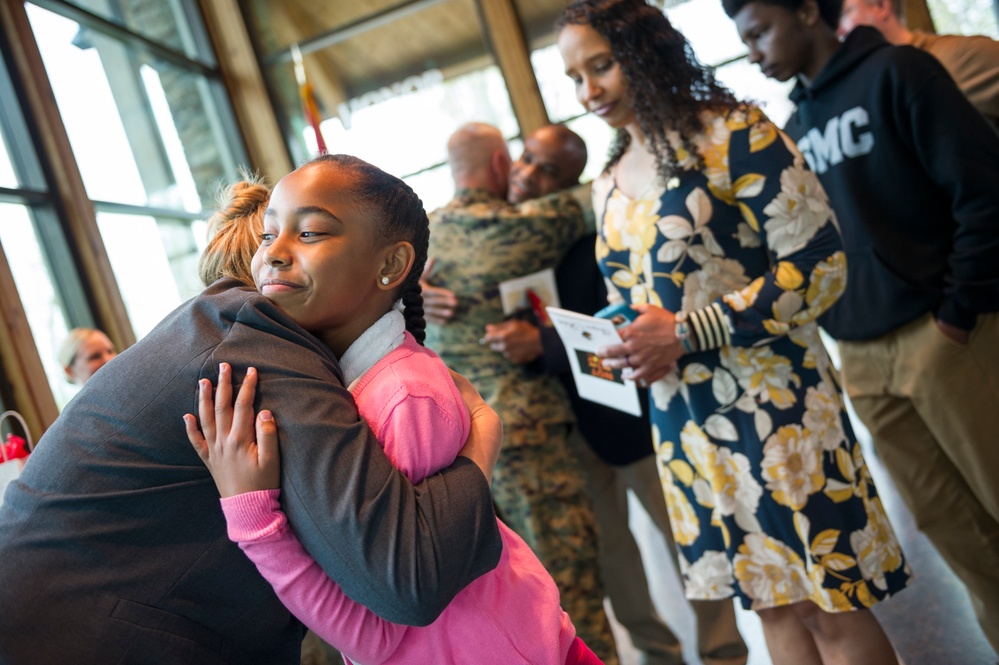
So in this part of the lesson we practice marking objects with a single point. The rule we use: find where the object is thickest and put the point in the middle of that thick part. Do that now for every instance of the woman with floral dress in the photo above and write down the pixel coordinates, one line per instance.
(714, 230)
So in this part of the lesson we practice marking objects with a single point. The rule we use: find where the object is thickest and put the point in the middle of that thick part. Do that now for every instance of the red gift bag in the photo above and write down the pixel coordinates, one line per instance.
(14, 451)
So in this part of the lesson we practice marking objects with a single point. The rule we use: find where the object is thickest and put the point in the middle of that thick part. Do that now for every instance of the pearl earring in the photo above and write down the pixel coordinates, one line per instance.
(385, 280)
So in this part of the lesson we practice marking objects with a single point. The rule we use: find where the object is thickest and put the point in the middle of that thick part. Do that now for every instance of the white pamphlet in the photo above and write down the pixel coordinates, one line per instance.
(582, 335)
(514, 292)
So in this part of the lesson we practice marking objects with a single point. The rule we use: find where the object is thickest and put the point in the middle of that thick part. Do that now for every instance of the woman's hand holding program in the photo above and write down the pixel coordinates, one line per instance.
(649, 348)
(240, 451)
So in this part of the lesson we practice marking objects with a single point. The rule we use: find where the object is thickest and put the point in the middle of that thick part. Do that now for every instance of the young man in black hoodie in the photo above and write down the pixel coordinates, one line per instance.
(912, 170)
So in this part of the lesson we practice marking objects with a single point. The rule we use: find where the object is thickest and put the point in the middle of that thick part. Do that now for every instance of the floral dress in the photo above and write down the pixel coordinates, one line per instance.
(768, 493)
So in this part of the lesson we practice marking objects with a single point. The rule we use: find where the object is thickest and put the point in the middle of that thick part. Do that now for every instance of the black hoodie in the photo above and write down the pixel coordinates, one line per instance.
(912, 171)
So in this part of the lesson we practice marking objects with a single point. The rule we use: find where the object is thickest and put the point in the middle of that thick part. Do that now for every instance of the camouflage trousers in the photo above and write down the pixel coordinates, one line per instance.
(540, 493)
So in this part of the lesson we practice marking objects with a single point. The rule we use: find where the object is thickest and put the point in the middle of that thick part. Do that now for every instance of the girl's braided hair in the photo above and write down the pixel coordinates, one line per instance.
(400, 216)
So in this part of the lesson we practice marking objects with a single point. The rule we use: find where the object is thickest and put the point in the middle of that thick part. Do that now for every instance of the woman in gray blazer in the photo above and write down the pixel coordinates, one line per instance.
(113, 547)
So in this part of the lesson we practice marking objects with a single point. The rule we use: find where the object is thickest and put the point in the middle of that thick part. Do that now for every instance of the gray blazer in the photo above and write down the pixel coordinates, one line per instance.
(113, 546)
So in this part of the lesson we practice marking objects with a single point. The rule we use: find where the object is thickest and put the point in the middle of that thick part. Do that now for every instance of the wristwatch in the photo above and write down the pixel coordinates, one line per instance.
(687, 340)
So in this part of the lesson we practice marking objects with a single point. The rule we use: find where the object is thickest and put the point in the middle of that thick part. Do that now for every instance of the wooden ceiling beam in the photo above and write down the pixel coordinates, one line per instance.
(503, 33)
(244, 82)
(344, 32)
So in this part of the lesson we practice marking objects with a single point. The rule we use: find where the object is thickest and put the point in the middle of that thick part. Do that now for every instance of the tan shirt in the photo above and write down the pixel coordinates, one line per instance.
(973, 62)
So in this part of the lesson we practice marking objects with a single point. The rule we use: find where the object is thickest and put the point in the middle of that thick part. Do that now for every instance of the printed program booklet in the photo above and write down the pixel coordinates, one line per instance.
(582, 335)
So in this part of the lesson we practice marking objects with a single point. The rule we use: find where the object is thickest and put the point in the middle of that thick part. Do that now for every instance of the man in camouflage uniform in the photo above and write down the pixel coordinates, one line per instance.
(477, 241)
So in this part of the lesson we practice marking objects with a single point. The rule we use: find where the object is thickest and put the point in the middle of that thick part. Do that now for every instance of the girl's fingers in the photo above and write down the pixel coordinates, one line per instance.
(268, 454)
(206, 409)
(194, 436)
(223, 399)
(469, 395)
(242, 414)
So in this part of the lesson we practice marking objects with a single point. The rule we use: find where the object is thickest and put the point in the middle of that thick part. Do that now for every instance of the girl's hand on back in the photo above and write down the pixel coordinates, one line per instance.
(239, 459)
(486, 434)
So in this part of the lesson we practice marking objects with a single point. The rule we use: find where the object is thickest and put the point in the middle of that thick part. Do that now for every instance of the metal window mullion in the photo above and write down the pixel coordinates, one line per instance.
(194, 34)
(115, 208)
(20, 196)
(16, 137)
(62, 267)
(218, 105)
(133, 39)
(222, 120)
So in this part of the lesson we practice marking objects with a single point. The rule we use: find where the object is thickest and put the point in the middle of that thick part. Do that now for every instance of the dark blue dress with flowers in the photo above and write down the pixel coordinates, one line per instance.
(768, 493)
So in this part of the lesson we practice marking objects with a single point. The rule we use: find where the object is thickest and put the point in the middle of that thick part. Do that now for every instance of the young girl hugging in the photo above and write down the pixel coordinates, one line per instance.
(342, 250)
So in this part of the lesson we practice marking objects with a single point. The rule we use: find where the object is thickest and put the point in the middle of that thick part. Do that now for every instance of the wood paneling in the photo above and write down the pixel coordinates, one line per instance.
(264, 142)
(355, 48)
(509, 46)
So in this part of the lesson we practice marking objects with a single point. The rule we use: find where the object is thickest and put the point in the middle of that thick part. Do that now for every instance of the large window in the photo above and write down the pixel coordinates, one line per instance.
(716, 43)
(37, 292)
(965, 17)
(152, 134)
(172, 23)
(38, 267)
(406, 134)
(386, 97)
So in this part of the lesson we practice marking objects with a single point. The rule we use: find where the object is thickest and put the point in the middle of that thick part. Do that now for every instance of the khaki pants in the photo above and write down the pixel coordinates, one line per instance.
(932, 407)
(718, 639)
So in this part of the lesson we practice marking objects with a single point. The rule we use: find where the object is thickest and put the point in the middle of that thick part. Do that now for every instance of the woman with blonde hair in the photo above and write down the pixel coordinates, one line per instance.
(234, 231)
(116, 513)
(83, 352)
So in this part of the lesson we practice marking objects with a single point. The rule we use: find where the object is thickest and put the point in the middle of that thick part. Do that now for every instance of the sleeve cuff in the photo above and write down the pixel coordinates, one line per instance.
(253, 515)
(956, 315)
(708, 327)
(554, 359)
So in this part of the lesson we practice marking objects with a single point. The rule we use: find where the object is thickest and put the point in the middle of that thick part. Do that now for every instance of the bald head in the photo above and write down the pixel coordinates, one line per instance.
(479, 158)
(554, 157)
(885, 15)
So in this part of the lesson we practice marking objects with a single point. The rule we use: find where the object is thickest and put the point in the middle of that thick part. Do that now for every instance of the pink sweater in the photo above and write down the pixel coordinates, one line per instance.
(509, 615)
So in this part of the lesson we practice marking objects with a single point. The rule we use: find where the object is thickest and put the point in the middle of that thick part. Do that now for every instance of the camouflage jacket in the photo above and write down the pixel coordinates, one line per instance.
(479, 241)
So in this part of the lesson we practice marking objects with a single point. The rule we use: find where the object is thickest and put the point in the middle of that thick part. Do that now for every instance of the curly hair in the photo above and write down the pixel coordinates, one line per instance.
(669, 86)
(401, 216)
(234, 231)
